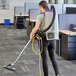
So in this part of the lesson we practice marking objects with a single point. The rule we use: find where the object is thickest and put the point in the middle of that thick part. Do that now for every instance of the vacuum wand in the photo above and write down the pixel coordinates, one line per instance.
(21, 52)
(12, 65)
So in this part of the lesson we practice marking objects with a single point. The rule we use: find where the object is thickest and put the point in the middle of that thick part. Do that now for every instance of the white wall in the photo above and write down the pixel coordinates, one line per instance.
(47, 1)
(60, 1)
(4, 14)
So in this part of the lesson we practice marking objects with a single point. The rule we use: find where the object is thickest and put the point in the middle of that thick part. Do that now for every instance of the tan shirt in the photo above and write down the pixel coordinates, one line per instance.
(41, 21)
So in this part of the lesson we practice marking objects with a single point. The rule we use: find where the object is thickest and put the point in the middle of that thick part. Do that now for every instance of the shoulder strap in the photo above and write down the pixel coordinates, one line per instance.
(42, 13)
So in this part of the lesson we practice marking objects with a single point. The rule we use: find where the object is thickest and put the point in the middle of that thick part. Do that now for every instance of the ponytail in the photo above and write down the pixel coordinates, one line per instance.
(47, 7)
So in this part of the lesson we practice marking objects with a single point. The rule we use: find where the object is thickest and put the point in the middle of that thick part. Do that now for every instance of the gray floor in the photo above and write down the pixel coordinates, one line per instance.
(12, 42)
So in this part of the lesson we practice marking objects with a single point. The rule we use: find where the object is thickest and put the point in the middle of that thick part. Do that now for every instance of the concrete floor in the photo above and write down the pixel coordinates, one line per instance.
(12, 42)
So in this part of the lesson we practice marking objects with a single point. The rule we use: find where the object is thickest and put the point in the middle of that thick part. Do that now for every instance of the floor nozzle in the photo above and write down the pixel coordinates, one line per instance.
(10, 67)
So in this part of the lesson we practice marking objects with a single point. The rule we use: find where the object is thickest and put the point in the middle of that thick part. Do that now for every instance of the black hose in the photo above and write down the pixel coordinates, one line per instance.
(46, 29)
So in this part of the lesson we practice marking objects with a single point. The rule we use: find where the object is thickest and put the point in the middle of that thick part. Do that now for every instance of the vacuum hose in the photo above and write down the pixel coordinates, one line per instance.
(46, 29)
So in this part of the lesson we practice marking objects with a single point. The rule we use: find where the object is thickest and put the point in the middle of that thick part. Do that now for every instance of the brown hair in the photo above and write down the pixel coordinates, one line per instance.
(44, 4)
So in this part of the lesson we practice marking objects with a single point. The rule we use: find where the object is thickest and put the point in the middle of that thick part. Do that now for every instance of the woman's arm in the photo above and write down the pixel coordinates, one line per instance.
(34, 31)
(38, 22)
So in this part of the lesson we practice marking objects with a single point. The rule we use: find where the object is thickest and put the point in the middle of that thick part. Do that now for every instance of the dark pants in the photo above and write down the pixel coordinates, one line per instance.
(51, 47)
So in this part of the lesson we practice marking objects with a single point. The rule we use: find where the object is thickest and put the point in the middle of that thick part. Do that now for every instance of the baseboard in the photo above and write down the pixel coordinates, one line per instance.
(4, 24)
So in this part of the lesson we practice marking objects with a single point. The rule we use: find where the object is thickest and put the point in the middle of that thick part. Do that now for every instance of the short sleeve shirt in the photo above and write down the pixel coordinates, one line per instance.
(41, 21)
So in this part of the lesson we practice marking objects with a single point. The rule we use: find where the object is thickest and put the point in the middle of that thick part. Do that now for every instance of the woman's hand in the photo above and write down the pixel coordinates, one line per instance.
(31, 36)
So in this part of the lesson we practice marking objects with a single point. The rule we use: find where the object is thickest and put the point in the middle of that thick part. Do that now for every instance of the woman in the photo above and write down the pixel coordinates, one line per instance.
(47, 45)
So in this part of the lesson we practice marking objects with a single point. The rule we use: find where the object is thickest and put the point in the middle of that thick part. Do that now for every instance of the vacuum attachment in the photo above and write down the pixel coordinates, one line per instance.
(10, 67)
